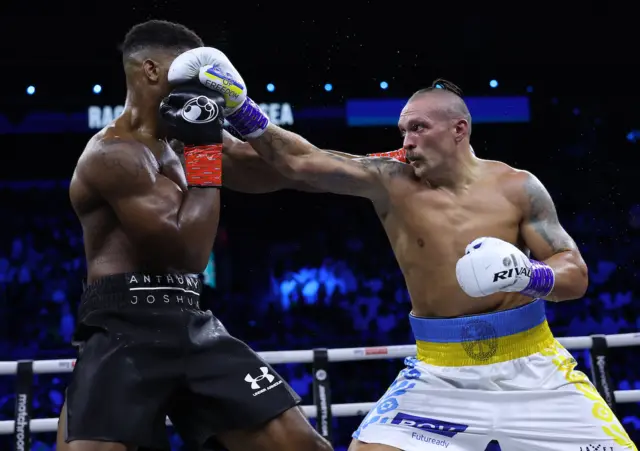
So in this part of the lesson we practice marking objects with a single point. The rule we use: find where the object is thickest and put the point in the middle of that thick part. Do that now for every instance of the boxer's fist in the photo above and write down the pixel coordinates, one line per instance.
(193, 115)
(214, 70)
(400, 155)
(491, 265)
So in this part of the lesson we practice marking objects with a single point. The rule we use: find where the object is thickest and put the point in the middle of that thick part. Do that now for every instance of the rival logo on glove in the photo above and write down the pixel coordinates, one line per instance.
(504, 275)
(200, 110)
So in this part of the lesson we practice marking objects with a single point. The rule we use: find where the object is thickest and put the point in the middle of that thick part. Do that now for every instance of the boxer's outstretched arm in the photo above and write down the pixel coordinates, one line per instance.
(300, 160)
(549, 242)
(152, 209)
(246, 172)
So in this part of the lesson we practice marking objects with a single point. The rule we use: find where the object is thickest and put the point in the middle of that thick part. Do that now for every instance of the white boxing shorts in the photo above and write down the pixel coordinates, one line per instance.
(498, 376)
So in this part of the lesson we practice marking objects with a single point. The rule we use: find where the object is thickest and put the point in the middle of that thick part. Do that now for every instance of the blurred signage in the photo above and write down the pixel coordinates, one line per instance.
(100, 116)
(353, 113)
(484, 110)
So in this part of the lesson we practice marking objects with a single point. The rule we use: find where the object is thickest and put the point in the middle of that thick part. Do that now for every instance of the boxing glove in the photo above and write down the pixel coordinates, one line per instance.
(491, 265)
(213, 69)
(193, 115)
(400, 155)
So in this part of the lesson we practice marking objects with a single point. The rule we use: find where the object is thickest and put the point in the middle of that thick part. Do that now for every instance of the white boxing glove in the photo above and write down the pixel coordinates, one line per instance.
(491, 265)
(214, 70)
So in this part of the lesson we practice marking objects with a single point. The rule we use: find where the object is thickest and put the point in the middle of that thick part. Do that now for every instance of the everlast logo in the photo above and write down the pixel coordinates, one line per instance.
(507, 274)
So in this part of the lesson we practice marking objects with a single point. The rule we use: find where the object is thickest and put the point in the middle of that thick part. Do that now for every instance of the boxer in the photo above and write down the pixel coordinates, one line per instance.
(146, 347)
(463, 230)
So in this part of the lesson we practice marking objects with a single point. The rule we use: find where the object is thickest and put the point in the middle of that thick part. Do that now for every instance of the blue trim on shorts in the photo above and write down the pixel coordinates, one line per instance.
(453, 330)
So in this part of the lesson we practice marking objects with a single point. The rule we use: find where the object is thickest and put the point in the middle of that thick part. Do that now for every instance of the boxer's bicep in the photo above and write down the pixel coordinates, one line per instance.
(334, 173)
(541, 229)
(145, 202)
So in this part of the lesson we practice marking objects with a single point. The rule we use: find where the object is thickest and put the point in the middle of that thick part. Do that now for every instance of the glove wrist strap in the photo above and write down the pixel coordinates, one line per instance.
(249, 120)
(400, 155)
(541, 282)
(203, 165)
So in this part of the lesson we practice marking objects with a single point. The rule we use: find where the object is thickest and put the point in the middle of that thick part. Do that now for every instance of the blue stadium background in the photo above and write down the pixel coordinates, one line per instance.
(318, 271)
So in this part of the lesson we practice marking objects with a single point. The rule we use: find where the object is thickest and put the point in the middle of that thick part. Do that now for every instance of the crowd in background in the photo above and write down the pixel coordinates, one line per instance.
(320, 290)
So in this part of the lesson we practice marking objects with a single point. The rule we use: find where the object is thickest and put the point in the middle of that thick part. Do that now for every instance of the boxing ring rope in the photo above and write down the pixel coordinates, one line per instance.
(323, 410)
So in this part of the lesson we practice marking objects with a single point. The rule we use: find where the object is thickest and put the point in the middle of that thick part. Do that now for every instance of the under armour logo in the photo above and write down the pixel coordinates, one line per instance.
(265, 375)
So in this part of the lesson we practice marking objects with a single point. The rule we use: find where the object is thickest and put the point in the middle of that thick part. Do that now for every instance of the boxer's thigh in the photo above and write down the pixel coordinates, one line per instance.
(83, 445)
(233, 395)
(568, 417)
(118, 392)
(357, 445)
(419, 411)
(289, 431)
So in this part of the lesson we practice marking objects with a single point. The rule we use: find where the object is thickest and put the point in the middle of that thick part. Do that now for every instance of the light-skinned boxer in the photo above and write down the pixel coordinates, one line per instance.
(482, 250)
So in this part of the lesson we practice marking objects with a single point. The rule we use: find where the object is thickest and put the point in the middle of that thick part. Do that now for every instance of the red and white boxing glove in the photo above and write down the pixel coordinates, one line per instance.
(400, 155)
(491, 265)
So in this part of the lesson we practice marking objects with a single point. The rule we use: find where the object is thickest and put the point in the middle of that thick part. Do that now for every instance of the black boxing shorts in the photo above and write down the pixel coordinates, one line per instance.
(147, 350)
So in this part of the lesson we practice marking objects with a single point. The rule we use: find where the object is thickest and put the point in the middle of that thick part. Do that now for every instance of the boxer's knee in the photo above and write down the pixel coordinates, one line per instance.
(82, 445)
(321, 444)
(88, 445)
(357, 445)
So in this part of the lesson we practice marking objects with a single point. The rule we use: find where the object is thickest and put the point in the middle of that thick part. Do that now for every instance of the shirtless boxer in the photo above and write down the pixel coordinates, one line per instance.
(487, 366)
(146, 348)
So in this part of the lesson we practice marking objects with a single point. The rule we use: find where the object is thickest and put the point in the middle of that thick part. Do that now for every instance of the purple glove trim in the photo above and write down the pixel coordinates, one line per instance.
(249, 120)
(541, 281)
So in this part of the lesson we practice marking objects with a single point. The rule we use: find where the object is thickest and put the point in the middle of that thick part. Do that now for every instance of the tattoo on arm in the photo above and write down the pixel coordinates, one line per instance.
(276, 140)
(544, 218)
(383, 167)
(325, 170)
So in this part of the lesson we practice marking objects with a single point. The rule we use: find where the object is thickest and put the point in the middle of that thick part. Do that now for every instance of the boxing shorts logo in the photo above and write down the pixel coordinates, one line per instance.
(265, 375)
(591, 447)
(431, 425)
(199, 110)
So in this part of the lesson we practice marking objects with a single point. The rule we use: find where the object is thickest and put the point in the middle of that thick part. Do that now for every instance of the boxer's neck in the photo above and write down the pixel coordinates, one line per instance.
(459, 171)
(142, 109)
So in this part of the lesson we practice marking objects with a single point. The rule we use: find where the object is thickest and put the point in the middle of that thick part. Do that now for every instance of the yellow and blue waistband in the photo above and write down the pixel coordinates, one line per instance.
(483, 339)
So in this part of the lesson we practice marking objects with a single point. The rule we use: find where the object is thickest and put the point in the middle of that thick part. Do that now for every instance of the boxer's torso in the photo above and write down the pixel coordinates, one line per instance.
(429, 230)
(108, 249)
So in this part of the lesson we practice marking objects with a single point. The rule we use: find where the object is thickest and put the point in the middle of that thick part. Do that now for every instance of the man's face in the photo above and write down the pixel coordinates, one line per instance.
(428, 134)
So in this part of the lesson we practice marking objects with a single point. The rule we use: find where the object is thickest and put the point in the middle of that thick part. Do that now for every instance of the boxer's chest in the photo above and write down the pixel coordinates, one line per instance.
(430, 229)
(170, 166)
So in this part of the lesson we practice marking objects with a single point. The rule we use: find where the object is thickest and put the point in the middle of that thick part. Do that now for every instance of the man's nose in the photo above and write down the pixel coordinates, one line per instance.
(408, 143)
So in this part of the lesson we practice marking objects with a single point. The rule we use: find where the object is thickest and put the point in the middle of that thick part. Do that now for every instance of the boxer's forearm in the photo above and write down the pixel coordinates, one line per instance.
(247, 172)
(282, 148)
(331, 172)
(571, 276)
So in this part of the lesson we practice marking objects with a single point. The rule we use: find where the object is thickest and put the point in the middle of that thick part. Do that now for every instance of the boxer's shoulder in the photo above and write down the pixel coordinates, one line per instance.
(522, 188)
(112, 159)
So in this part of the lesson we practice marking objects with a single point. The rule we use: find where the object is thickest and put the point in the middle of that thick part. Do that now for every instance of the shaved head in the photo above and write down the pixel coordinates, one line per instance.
(447, 100)
(435, 125)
